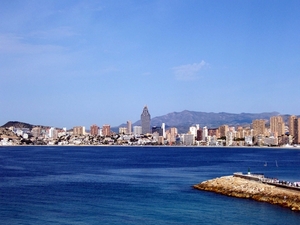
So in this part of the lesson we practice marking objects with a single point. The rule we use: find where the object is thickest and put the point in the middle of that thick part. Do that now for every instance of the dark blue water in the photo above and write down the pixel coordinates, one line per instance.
(136, 185)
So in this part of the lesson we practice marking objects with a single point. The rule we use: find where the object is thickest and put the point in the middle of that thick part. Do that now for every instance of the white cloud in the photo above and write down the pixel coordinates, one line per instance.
(189, 71)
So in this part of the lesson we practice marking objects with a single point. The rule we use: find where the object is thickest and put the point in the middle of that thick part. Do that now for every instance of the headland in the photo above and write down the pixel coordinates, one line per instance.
(255, 187)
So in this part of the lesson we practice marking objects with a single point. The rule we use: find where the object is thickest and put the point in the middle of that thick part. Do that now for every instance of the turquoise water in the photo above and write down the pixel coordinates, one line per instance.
(136, 185)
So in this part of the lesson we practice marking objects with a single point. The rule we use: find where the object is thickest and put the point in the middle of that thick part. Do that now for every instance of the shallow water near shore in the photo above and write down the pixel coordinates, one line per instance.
(136, 185)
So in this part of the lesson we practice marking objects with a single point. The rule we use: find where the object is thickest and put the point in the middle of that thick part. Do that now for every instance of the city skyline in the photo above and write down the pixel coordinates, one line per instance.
(87, 62)
(278, 133)
(178, 119)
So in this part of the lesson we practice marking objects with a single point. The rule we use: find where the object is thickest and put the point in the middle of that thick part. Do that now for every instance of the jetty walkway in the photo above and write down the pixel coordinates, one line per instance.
(256, 187)
(271, 181)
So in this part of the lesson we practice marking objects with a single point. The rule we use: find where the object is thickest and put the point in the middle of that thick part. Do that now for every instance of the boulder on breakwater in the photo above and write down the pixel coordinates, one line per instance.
(244, 188)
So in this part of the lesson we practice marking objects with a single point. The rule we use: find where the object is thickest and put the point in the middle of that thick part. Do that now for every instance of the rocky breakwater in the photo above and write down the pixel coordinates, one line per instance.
(243, 188)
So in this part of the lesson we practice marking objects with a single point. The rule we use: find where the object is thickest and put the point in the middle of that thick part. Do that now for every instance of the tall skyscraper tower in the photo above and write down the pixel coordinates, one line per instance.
(145, 120)
(297, 131)
(204, 133)
(163, 126)
(277, 125)
(259, 127)
(292, 124)
(223, 130)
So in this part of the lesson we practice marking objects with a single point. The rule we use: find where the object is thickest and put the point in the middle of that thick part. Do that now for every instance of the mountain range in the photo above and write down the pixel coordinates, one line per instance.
(183, 120)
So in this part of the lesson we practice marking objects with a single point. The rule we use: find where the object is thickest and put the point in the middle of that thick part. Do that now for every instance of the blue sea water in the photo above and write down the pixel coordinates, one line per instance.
(136, 185)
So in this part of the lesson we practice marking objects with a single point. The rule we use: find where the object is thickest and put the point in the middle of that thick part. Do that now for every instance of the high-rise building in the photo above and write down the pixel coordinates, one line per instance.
(297, 131)
(204, 133)
(94, 130)
(240, 132)
(188, 139)
(277, 126)
(193, 130)
(223, 130)
(292, 122)
(79, 130)
(229, 138)
(213, 132)
(129, 127)
(106, 130)
(171, 135)
(137, 130)
(173, 131)
(163, 127)
(199, 135)
(145, 121)
(259, 127)
(123, 130)
(53, 133)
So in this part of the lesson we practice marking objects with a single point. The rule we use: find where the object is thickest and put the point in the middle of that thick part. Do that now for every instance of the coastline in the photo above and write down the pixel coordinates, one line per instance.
(250, 189)
(159, 146)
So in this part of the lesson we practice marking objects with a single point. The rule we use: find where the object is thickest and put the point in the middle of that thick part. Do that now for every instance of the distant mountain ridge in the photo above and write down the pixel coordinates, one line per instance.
(183, 120)
(210, 119)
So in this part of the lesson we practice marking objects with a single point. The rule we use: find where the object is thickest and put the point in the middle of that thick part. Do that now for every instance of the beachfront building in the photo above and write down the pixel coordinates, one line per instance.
(171, 135)
(205, 134)
(188, 139)
(199, 135)
(248, 140)
(259, 127)
(271, 141)
(292, 123)
(223, 130)
(297, 131)
(229, 138)
(277, 126)
(193, 130)
(294, 129)
(213, 132)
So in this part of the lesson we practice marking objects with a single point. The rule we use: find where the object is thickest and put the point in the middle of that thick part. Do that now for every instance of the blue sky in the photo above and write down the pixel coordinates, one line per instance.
(69, 63)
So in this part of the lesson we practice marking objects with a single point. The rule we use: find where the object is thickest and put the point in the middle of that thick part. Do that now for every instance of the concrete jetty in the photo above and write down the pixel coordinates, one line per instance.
(252, 187)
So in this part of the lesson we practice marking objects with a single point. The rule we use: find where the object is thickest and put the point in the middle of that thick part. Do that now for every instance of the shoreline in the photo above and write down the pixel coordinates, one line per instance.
(159, 146)
(249, 189)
